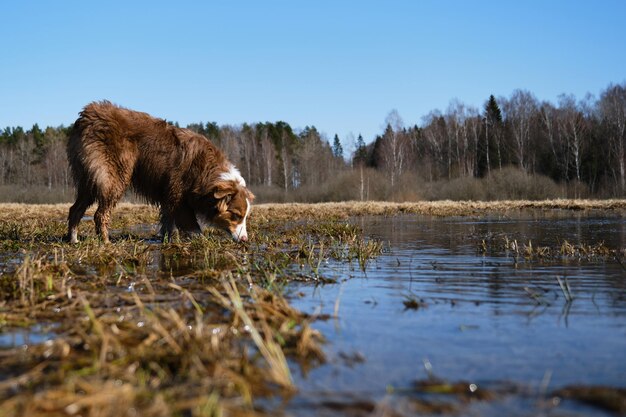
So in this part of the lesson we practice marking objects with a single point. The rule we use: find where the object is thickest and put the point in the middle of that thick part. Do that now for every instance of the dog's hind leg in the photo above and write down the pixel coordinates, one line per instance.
(101, 219)
(102, 216)
(77, 211)
(107, 200)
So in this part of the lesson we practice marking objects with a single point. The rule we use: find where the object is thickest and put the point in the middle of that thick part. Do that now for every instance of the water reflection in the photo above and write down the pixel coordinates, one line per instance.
(484, 318)
(15, 337)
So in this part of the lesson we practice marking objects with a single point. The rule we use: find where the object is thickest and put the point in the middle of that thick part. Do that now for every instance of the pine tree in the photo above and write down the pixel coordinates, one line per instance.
(493, 129)
(360, 143)
(40, 143)
(492, 111)
(360, 154)
(212, 131)
(337, 148)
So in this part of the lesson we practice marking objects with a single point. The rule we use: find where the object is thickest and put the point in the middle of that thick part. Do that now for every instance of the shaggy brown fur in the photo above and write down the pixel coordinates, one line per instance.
(112, 148)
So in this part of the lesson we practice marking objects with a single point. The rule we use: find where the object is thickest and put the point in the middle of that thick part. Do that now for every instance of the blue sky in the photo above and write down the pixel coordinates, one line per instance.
(341, 66)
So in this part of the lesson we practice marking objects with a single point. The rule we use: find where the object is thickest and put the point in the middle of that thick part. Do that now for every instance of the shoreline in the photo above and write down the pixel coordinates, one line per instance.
(346, 209)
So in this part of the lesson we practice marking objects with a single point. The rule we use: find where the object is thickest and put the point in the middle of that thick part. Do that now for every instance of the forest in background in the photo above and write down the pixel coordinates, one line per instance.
(513, 147)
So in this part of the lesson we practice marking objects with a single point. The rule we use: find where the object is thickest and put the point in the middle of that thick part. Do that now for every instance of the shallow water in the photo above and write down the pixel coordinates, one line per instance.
(499, 322)
(26, 336)
(441, 305)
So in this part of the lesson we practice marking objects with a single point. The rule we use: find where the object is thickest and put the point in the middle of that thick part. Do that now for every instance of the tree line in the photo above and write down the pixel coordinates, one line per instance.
(573, 142)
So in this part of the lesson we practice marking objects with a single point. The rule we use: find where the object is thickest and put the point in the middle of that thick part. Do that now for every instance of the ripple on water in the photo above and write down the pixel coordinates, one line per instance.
(480, 318)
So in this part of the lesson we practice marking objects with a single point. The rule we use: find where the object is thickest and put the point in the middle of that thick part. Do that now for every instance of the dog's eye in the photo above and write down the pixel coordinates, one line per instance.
(235, 216)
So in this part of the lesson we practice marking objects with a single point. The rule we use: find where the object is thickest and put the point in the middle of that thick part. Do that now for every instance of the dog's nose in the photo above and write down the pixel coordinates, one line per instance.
(243, 238)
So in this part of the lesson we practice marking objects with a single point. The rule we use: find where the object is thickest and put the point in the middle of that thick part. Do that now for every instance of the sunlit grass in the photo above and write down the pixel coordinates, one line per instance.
(196, 326)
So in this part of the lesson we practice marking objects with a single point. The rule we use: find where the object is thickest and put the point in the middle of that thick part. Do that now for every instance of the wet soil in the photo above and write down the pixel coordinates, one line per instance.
(423, 309)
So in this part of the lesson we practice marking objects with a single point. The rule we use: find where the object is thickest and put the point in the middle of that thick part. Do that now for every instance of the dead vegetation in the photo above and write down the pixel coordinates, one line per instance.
(434, 396)
(196, 327)
(141, 213)
(429, 208)
(527, 251)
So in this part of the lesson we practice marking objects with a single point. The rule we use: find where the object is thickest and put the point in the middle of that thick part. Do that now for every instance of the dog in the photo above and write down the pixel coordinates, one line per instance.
(112, 149)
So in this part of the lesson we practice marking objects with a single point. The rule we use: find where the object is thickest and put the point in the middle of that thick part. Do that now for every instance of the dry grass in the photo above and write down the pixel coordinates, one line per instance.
(430, 208)
(142, 213)
(197, 327)
(529, 251)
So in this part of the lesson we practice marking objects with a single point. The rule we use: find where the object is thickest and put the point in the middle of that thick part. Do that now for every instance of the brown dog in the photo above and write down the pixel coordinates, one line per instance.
(112, 148)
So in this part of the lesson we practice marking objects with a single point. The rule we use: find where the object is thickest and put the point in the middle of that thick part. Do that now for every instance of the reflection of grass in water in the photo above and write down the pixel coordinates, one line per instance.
(196, 326)
(567, 292)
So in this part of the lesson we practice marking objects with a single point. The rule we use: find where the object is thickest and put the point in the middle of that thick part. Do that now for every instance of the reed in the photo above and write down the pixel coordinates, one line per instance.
(197, 326)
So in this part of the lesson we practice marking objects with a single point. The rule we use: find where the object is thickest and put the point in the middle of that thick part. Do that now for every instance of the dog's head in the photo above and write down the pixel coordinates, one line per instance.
(233, 204)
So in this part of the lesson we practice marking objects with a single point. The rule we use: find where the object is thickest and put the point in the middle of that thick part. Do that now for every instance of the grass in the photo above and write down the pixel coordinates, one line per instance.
(567, 292)
(198, 326)
(194, 327)
(529, 251)
(127, 214)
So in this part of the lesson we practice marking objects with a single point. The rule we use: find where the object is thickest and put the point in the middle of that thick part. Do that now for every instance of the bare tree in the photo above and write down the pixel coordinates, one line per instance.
(473, 124)
(519, 111)
(248, 150)
(549, 125)
(285, 160)
(394, 146)
(229, 142)
(268, 154)
(4, 162)
(458, 132)
(612, 109)
(54, 160)
(25, 159)
(314, 158)
(434, 133)
(572, 127)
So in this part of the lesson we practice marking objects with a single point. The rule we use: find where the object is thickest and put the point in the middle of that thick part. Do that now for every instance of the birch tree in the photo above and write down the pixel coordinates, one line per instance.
(571, 127)
(612, 110)
(519, 111)
(394, 146)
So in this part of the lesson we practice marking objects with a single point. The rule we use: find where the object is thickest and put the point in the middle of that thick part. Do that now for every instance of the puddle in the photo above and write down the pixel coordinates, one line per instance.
(16, 337)
(434, 306)
(437, 324)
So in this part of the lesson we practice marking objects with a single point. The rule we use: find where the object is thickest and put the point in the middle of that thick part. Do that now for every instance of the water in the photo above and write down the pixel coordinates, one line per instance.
(492, 320)
(437, 306)
(26, 336)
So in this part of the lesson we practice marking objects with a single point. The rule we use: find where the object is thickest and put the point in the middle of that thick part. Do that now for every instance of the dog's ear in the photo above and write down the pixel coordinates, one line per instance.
(223, 193)
(249, 195)
(224, 189)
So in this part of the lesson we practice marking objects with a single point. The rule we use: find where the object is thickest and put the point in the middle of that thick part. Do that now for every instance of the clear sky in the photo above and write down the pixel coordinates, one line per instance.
(341, 66)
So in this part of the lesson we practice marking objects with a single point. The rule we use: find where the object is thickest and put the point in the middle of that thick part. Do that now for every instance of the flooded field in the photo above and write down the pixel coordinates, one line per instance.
(447, 308)
(328, 311)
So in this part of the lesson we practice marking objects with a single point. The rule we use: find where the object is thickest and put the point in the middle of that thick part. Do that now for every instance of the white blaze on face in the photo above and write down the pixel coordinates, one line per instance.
(233, 174)
(241, 234)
